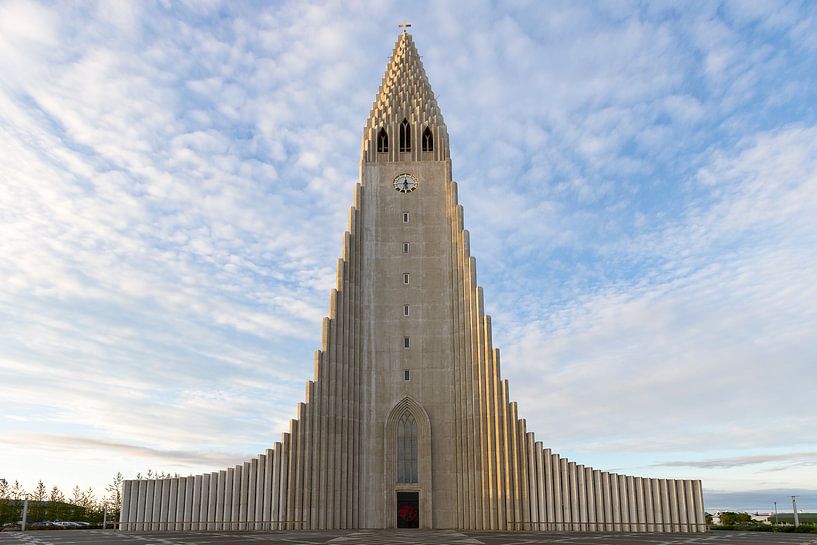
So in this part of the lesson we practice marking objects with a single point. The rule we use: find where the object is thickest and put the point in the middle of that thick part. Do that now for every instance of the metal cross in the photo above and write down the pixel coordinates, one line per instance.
(405, 25)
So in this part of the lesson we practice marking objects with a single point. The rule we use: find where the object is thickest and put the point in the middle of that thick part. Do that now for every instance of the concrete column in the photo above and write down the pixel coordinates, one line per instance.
(615, 500)
(284, 482)
(227, 516)
(534, 478)
(521, 509)
(156, 518)
(212, 501)
(682, 506)
(641, 510)
(252, 478)
(276, 488)
(235, 508)
(322, 470)
(631, 503)
(558, 507)
(700, 517)
(243, 494)
(666, 510)
(180, 499)
(673, 505)
(649, 505)
(150, 484)
(590, 499)
(293, 470)
(189, 492)
(203, 502)
(655, 485)
(568, 484)
(140, 506)
(546, 488)
(267, 496)
(624, 503)
(195, 508)
(607, 501)
(580, 511)
(690, 506)
(172, 506)
(259, 493)
(599, 499)
(218, 516)
(124, 518)
(165, 505)
(297, 512)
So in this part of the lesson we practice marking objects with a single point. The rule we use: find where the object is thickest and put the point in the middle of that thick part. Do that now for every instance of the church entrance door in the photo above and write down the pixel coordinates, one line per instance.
(408, 509)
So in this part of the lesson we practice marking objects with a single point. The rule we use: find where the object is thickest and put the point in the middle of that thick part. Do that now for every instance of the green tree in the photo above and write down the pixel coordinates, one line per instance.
(17, 491)
(4, 489)
(114, 490)
(728, 518)
(40, 492)
(88, 500)
(56, 495)
(76, 495)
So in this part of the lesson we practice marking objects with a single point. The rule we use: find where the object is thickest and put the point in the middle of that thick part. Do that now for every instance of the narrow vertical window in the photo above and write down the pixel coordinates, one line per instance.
(405, 310)
(405, 136)
(428, 140)
(382, 141)
(405, 278)
(405, 247)
(405, 217)
(406, 342)
(407, 449)
(406, 375)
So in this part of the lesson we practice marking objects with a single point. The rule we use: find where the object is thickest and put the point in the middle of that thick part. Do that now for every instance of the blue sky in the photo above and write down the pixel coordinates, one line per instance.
(640, 182)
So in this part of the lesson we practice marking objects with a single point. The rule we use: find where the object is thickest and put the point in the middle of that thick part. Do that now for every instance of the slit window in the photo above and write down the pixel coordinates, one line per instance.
(405, 247)
(405, 217)
(382, 141)
(428, 140)
(405, 136)
(405, 278)
(406, 374)
(405, 310)
(406, 342)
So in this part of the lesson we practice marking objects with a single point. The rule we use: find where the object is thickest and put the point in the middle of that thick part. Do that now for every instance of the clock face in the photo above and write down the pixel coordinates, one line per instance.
(405, 183)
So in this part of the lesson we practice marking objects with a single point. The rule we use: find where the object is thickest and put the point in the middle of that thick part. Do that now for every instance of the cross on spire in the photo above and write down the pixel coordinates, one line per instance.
(405, 25)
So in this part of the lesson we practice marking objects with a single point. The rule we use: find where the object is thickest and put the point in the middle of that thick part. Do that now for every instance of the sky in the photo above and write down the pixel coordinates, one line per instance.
(639, 180)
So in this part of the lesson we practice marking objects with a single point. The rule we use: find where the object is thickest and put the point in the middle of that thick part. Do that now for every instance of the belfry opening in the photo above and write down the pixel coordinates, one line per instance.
(408, 421)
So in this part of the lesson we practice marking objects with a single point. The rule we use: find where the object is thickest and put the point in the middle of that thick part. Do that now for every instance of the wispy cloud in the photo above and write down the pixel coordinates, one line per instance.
(174, 181)
(809, 458)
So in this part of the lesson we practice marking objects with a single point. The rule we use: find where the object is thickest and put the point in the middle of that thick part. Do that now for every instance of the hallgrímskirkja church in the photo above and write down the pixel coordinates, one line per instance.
(408, 422)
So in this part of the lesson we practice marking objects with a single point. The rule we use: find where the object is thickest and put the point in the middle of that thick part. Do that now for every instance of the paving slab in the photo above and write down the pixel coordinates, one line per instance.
(395, 537)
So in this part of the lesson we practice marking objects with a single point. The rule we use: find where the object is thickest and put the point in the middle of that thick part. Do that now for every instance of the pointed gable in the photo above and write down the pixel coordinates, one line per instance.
(405, 93)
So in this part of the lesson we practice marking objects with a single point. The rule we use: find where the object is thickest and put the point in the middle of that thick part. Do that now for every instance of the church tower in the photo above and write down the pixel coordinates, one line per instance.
(408, 422)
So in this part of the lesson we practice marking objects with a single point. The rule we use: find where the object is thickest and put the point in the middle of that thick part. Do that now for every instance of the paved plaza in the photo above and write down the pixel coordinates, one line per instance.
(397, 537)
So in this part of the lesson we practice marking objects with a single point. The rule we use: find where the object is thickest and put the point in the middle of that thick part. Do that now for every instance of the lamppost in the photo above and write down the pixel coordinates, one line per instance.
(775, 512)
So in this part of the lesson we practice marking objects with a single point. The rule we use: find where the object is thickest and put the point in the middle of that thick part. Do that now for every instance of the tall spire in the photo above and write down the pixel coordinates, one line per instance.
(405, 93)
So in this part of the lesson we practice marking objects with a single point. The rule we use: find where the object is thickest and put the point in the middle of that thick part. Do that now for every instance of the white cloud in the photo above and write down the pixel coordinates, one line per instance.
(638, 182)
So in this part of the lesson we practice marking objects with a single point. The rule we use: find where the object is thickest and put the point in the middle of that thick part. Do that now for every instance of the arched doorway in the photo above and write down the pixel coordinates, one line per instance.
(408, 465)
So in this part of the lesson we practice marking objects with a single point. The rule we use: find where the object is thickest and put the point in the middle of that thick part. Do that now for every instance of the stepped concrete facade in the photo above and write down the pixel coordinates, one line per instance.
(408, 421)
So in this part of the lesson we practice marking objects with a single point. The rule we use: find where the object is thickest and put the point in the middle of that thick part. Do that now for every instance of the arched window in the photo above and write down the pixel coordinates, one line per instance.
(405, 136)
(428, 140)
(382, 141)
(407, 449)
